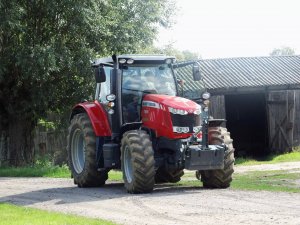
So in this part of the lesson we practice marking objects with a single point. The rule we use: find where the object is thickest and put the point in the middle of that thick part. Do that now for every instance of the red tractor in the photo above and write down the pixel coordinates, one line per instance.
(139, 124)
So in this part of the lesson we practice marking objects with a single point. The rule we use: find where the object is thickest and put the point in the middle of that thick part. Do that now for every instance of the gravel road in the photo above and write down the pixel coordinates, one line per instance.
(166, 205)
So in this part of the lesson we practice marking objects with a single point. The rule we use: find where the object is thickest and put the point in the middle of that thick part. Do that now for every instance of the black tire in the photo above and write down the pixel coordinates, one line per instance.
(82, 153)
(164, 176)
(137, 160)
(219, 178)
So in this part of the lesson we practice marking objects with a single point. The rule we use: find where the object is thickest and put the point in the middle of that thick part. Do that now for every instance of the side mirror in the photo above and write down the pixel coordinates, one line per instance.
(196, 72)
(100, 75)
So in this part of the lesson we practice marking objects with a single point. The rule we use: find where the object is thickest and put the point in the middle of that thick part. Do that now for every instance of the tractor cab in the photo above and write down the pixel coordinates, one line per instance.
(139, 123)
(137, 76)
(130, 78)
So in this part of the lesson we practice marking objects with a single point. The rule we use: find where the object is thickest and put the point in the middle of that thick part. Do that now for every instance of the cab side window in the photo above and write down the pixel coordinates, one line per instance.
(105, 87)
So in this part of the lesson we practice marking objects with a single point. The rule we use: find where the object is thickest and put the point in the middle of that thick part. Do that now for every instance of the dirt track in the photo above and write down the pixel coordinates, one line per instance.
(166, 205)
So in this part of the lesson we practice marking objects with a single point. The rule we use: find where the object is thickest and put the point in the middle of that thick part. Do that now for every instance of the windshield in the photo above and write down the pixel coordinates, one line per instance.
(138, 80)
(156, 79)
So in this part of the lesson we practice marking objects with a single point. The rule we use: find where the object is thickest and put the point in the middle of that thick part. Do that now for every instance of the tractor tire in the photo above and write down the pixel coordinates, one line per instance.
(137, 161)
(220, 178)
(164, 176)
(82, 153)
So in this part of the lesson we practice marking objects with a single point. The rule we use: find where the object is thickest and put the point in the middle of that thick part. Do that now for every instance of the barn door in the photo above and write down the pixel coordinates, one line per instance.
(281, 112)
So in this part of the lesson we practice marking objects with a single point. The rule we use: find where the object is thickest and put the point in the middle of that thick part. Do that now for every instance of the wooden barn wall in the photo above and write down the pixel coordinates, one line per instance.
(297, 119)
(283, 113)
(283, 119)
(217, 107)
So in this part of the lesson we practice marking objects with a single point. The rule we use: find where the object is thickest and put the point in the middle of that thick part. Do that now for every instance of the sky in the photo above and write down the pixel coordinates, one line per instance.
(234, 28)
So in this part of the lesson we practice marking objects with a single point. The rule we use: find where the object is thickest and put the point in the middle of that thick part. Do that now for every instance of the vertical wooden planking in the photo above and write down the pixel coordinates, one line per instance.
(278, 114)
(1, 149)
(217, 107)
(296, 130)
(291, 117)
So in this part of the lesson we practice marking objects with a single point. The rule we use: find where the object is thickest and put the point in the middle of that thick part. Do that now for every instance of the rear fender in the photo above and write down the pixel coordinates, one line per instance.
(97, 115)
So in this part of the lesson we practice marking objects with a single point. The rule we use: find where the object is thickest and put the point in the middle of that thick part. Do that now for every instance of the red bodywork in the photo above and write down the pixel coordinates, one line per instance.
(157, 116)
(98, 117)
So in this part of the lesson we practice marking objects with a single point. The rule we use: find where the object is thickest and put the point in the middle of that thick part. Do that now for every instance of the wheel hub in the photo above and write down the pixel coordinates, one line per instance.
(78, 150)
(127, 164)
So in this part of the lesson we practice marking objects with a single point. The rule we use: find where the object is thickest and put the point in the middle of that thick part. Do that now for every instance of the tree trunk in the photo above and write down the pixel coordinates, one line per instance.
(20, 148)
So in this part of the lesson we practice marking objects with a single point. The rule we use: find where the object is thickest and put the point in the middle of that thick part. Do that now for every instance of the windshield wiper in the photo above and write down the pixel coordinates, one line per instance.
(145, 91)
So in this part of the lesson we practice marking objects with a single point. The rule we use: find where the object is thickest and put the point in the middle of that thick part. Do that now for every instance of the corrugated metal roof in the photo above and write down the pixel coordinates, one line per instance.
(229, 73)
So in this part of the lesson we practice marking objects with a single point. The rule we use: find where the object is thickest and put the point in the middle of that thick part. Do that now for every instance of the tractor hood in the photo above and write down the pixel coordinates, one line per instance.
(170, 116)
(174, 102)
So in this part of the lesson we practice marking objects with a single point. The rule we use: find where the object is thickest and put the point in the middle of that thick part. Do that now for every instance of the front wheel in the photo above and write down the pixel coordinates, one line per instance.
(137, 159)
(82, 153)
(219, 178)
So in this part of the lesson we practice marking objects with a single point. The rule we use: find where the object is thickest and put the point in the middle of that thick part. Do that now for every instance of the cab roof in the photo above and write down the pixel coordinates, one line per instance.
(135, 57)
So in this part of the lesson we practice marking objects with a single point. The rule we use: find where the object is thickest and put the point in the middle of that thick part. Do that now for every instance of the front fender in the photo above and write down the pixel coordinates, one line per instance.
(97, 115)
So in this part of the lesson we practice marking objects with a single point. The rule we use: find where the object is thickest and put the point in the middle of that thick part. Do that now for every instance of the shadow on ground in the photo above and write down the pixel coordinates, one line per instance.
(73, 194)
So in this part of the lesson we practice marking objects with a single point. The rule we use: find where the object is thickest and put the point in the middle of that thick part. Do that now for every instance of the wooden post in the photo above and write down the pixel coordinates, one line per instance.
(291, 118)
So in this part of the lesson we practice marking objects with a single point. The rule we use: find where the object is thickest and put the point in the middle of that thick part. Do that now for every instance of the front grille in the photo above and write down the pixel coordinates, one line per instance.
(189, 120)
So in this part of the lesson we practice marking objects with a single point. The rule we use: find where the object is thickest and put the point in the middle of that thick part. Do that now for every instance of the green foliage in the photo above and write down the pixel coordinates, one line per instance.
(45, 53)
(15, 215)
(46, 47)
(284, 50)
(48, 125)
(185, 55)
(270, 159)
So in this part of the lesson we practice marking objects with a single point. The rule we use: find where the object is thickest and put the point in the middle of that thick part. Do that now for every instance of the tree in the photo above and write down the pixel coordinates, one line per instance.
(282, 51)
(45, 53)
(170, 50)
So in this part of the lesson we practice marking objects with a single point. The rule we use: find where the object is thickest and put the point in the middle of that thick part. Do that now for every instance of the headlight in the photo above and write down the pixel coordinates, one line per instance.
(181, 129)
(168, 61)
(197, 129)
(206, 95)
(197, 112)
(122, 61)
(178, 111)
(130, 61)
(110, 104)
(111, 111)
(110, 97)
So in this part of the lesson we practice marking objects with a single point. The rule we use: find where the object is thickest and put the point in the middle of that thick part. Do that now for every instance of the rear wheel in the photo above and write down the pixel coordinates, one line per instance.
(223, 177)
(164, 176)
(137, 161)
(82, 153)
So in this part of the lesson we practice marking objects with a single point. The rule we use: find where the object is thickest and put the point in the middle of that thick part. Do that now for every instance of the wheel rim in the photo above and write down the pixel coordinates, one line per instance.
(78, 151)
(127, 164)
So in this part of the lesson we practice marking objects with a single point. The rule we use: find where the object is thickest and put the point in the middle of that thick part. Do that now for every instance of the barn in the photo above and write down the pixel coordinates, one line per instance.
(258, 96)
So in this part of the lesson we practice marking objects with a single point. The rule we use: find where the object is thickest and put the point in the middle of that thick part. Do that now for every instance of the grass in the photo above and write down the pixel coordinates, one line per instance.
(280, 181)
(256, 180)
(284, 181)
(48, 171)
(17, 215)
(271, 159)
(36, 171)
(115, 175)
